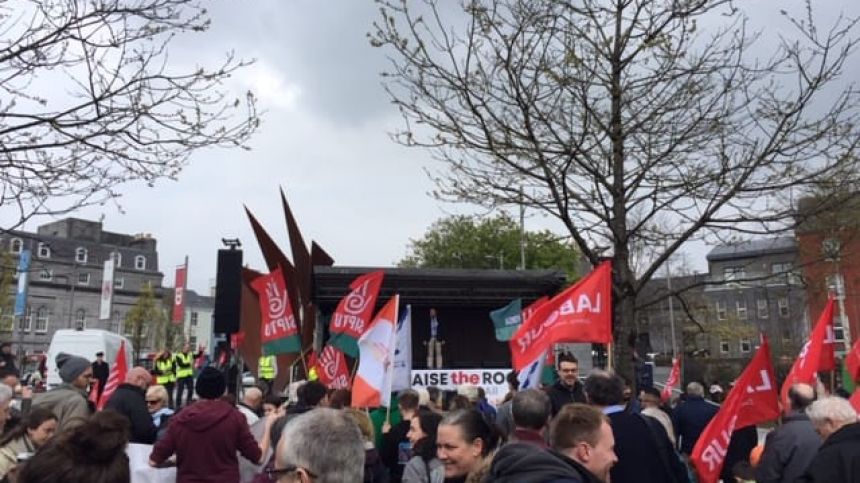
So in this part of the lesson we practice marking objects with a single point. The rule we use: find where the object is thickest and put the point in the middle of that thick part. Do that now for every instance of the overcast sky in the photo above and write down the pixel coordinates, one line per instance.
(323, 139)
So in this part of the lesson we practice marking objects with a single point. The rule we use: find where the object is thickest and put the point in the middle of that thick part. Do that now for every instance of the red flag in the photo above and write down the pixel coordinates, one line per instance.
(332, 368)
(582, 313)
(117, 376)
(752, 400)
(179, 294)
(237, 339)
(672, 381)
(528, 311)
(852, 361)
(279, 333)
(353, 313)
(816, 355)
(94, 393)
(855, 400)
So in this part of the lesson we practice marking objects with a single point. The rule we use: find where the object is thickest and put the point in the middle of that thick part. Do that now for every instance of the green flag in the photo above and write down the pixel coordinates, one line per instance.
(847, 380)
(507, 319)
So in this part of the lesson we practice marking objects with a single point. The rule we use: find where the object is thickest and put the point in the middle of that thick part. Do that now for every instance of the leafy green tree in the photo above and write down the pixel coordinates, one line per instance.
(146, 315)
(467, 242)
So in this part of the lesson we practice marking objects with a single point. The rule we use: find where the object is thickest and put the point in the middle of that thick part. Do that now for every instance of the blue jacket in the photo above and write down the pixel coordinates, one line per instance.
(690, 419)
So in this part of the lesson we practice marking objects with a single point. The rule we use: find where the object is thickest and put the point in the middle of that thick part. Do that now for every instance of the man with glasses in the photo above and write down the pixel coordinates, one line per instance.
(567, 389)
(302, 456)
(68, 401)
(129, 399)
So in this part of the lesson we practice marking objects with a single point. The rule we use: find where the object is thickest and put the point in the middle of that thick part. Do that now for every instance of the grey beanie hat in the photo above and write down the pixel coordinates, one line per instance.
(70, 367)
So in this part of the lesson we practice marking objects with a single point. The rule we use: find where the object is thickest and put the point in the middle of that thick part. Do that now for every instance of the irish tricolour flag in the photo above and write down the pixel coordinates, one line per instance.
(372, 385)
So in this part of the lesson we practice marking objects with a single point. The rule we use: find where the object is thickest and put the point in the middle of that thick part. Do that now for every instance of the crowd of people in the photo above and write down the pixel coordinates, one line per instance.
(574, 431)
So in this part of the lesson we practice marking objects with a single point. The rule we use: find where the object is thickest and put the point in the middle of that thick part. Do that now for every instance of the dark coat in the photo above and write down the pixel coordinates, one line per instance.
(130, 401)
(838, 459)
(527, 463)
(740, 444)
(559, 395)
(374, 470)
(101, 371)
(788, 450)
(205, 437)
(394, 450)
(644, 451)
(690, 419)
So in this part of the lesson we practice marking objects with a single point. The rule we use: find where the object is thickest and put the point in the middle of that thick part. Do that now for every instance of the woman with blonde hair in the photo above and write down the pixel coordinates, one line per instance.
(157, 404)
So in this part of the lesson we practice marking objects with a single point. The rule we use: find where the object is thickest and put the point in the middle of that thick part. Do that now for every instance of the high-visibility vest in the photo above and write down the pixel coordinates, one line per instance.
(266, 367)
(184, 364)
(165, 369)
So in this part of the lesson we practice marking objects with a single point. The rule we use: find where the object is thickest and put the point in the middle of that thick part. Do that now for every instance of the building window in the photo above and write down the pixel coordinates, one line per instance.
(193, 319)
(81, 255)
(782, 303)
(761, 308)
(117, 256)
(724, 347)
(746, 346)
(786, 334)
(46, 275)
(26, 322)
(119, 282)
(16, 245)
(838, 332)
(140, 262)
(722, 312)
(83, 279)
(115, 322)
(741, 306)
(81, 318)
(42, 316)
(734, 273)
(43, 250)
(192, 341)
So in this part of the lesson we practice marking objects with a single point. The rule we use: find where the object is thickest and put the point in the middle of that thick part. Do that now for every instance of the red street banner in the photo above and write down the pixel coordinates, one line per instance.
(582, 313)
(752, 400)
(332, 368)
(279, 332)
(179, 295)
(353, 313)
(816, 355)
(672, 381)
(852, 361)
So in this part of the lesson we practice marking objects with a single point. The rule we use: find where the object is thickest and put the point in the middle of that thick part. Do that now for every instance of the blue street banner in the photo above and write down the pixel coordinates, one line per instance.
(21, 294)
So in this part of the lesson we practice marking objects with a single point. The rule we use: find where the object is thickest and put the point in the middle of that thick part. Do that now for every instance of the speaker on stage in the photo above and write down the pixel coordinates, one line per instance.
(228, 292)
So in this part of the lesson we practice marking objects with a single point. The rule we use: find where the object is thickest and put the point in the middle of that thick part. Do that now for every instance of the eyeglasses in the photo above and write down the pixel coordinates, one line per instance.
(275, 473)
(153, 401)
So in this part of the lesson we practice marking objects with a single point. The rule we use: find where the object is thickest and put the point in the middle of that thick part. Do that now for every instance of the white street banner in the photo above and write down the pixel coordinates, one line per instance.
(403, 352)
(494, 381)
(107, 290)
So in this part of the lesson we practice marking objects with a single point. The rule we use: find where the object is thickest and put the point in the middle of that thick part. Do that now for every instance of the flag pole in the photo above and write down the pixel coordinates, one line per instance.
(609, 356)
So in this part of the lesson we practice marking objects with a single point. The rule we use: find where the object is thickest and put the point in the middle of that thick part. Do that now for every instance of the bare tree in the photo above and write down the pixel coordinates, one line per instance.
(89, 100)
(627, 120)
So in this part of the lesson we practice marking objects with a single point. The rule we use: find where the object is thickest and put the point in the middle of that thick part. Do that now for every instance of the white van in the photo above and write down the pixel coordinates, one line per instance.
(84, 343)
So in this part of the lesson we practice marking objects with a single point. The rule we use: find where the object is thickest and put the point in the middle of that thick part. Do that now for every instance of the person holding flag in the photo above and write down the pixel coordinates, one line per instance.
(816, 355)
(129, 399)
(790, 448)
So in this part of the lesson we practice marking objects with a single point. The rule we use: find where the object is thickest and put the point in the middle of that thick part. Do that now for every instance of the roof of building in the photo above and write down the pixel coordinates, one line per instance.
(753, 248)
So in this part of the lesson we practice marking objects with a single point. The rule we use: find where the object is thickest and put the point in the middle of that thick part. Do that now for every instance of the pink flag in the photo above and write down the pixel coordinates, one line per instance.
(672, 381)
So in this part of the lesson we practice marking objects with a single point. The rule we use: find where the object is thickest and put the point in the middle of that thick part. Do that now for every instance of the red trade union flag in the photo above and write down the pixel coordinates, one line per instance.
(815, 355)
(855, 400)
(672, 381)
(582, 313)
(332, 368)
(353, 313)
(179, 295)
(528, 311)
(852, 361)
(94, 393)
(279, 333)
(117, 376)
(752, 400)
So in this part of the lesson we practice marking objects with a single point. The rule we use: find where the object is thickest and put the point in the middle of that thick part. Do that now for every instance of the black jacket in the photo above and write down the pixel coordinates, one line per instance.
(527, 463)
(559, 395)
(788, 450)
(690, 419)
(130, 401)
(643, 450)
(838, 459)
(101, 371)
(394, 450)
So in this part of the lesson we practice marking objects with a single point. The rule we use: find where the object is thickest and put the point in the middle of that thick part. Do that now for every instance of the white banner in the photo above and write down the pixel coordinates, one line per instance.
(494, 381)
(107, 290)
(403, 352)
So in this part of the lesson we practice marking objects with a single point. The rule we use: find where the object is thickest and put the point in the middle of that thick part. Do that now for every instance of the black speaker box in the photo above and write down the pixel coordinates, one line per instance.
(228, 292)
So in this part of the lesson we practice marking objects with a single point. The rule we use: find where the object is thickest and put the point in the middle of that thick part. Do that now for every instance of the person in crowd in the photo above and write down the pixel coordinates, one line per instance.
(460, 403)
(436, 400)
(645, 453)
(742, 472)
(129, 399)
(504, 417)
(484, 405)
(582, 451)
(531, 412)
(34, 431)
(374, 470)
(10, 378)
(838, 458)
(17, 407)
(274, 436)
(267, 370)
(7, 359)
(465, 444)
(691, 417)
(92, 452)
(790, 448)
(395, 449)
(207, 435)
(271, 405)
(101, 371)
(716, 392)
(741, 444)
(309, 395)
(251, 405)
(568, 388)
(183, 362)
(69, 400)
(424, 466)
(165, 375)
(6, 396)
(159, 411)
(339, 399)
(649, 403)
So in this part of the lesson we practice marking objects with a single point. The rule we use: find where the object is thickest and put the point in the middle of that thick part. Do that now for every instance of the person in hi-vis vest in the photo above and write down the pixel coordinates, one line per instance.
(165, 375)
(267, 371)
(184, 364)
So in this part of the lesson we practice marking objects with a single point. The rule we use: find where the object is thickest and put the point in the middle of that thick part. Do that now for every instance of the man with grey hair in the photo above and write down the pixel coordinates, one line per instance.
(790, 448)
(303, 455)
(838, 458)
(692, 416)
(531, 411)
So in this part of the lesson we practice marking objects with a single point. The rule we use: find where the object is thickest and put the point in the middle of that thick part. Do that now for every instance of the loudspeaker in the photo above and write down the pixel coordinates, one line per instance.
(228, 292)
